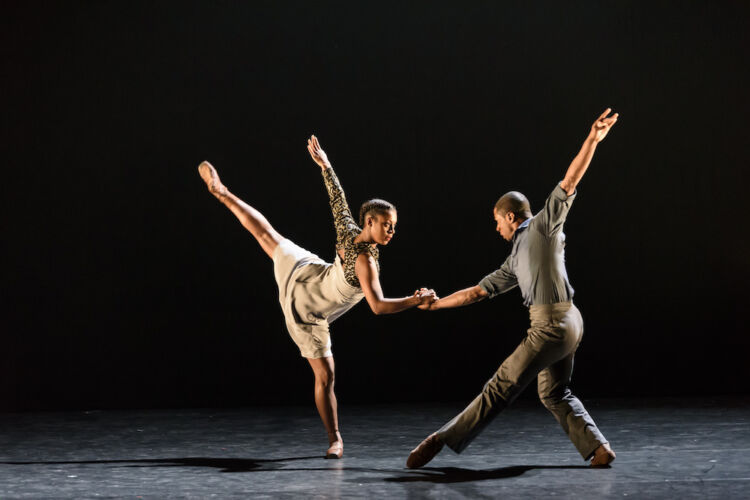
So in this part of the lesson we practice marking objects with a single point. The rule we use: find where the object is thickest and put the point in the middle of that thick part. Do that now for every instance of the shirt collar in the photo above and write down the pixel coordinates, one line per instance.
(523, 226)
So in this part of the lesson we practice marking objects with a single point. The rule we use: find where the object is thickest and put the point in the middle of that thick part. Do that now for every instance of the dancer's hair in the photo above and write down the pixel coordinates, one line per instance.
(374, 206)
(514, 202)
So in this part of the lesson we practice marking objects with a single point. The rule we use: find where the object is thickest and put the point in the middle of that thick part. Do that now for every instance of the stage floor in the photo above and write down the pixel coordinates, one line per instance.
(665, 449)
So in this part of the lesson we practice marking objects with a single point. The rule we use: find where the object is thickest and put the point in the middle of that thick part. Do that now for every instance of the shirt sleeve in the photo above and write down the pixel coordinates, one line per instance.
(342, 216)
(499, 281)
(552, 217)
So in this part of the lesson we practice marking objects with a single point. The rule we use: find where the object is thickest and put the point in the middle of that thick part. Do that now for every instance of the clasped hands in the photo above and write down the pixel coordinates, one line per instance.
(427, 297)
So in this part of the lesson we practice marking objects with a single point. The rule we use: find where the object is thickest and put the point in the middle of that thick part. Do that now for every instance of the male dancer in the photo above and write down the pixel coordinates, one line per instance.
(537, 265)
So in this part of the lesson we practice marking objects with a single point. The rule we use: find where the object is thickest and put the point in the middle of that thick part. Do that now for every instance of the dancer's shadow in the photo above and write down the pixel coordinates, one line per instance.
(459, 475)
(224, 464)
(234, 465)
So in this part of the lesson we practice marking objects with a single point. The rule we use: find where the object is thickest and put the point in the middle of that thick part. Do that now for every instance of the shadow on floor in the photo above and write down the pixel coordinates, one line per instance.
(459, 475)
(225, 464)
(234, 465)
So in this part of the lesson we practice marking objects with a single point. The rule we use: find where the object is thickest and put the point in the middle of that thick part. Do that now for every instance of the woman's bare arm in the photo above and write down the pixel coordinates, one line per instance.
(369, 280)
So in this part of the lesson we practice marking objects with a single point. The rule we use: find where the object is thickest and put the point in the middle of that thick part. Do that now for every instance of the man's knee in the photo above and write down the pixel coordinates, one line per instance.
(499, 390)
(552, 399)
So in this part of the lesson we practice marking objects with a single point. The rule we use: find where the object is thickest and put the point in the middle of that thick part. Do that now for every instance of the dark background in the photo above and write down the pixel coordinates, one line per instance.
(125, 284)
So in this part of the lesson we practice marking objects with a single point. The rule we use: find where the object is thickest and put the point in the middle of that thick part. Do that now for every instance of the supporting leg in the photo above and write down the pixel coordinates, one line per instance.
(251, 219)
(325, 400)
(554, 392)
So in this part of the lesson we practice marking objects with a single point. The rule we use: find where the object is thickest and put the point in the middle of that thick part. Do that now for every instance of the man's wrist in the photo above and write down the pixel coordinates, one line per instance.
(591, 140)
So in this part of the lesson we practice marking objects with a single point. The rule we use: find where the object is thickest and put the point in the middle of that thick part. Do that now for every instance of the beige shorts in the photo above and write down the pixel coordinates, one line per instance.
(311, 335)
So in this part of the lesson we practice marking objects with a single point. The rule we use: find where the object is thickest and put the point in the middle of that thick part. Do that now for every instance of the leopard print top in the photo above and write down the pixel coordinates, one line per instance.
(346, 228)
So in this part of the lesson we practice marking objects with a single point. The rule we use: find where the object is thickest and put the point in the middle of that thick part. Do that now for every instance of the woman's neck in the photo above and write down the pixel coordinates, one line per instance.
(364, 237)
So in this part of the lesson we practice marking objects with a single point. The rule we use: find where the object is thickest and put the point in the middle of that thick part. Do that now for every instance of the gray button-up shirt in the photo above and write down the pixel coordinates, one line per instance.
(537, 261)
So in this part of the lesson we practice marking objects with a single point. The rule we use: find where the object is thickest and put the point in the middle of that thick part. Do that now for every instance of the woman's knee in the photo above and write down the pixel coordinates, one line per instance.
(325, 379)
(324, 372)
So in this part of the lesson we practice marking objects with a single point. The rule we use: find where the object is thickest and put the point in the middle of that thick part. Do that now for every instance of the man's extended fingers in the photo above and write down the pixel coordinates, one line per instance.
(606, 112)
(609, 121)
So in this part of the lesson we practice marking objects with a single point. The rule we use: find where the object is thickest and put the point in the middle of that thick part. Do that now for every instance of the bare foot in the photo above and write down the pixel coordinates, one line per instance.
(211, 178)
(603, 456)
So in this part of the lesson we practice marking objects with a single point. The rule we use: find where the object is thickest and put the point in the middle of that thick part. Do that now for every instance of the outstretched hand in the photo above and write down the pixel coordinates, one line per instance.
(427, 297)
(601, 126)
(318, 155)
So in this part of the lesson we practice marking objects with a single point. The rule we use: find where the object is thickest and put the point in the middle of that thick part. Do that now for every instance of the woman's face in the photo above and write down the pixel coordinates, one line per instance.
(382, 226)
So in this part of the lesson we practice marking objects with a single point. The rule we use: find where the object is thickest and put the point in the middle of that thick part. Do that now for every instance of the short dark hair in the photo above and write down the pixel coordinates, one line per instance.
(514, 202)
(374, 206)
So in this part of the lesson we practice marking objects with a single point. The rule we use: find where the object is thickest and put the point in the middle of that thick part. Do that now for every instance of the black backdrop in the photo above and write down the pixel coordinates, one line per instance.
(125, 284)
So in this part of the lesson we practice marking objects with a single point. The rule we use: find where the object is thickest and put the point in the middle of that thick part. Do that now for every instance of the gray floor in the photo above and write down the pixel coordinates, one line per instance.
(665, 449)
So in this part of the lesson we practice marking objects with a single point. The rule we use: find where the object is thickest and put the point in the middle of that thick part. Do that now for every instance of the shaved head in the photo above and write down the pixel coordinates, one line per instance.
(514, 202)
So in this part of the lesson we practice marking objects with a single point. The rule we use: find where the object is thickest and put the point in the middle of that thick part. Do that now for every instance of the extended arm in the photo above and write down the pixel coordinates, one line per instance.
(342, 216)
(581, 162)
(367, 274)
(457, 299)
(497, 282)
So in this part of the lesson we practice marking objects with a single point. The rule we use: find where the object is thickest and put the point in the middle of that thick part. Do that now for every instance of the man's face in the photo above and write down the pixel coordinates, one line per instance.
(505, 224)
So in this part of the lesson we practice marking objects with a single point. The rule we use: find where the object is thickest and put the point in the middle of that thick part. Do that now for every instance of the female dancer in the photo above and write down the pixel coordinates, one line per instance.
(313, 292)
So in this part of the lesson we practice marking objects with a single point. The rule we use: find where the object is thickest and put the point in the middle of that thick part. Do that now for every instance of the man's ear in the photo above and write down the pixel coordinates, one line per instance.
(510, 217)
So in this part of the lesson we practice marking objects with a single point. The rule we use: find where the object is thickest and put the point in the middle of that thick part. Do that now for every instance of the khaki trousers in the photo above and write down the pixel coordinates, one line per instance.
(546, 353)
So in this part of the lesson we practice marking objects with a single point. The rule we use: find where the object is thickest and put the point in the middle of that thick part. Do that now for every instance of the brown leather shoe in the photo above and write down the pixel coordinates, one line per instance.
(603, 456)
(425, 452)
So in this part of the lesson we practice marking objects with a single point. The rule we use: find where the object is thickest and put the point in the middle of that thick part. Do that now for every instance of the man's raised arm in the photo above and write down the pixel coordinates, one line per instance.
(580, 163)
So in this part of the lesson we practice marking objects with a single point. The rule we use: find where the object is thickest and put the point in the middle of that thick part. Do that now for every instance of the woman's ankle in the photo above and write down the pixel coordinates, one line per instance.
(334, 436)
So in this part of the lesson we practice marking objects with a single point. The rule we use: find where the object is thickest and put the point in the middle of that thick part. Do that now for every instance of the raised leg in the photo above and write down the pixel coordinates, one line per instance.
(325, 400)
(251, 219)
